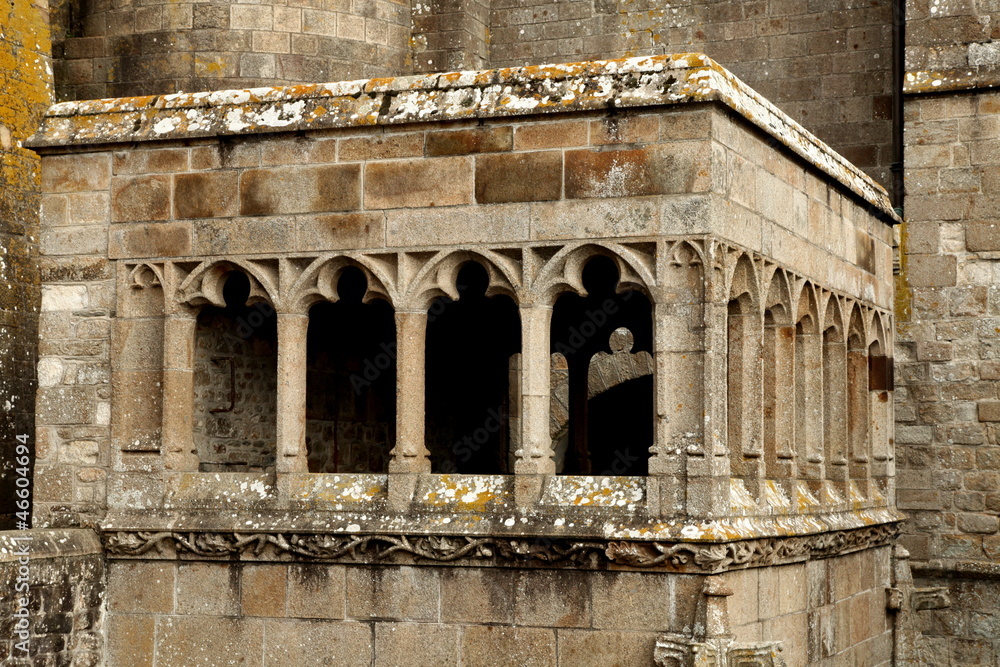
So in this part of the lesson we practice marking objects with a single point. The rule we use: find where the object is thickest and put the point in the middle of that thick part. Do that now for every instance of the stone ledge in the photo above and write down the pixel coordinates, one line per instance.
(957, 569)
(686, 557)
(543, 89)
(48, 543)
(973, 78)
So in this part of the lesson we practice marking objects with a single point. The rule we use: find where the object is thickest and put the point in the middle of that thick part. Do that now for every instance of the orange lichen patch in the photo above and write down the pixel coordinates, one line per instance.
(464, 493)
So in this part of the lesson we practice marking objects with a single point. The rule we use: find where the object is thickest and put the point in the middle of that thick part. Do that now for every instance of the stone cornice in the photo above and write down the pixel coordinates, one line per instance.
(524, 91)
(965, 79)
(685, 557)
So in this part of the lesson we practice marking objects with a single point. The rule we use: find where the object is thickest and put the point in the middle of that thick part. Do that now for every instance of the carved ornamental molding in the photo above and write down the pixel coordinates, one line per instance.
(686, 557)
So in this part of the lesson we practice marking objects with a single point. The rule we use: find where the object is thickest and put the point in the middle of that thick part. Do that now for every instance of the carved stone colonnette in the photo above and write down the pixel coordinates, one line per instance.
(681, 557)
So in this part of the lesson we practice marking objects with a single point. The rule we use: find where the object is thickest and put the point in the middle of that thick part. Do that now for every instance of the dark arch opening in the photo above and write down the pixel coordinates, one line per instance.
(235, 382)
(470, 342)
(350, 381)
(581, 328)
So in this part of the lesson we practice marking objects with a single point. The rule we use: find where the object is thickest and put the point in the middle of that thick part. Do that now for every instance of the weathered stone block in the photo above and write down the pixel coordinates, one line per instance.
(549, 598)
(242, 235)
(205, 195)
(316, 591)
(141, 587)
(56, 298)
(630, 601)
(300, 190)
(262, 590)
(605, 217)
(207, 589)
(989, 411)
(76, 173)
(140, 198)
(652, 170)
(294, 642)
(535, 176)
(496, 646)
(604, 648)
(495, 224)
(205, 641)
(65, 405)
(341, 231)
(74, 241)
(467, 142)
(982, 236)
(625, 130)
(445, 181)
(156, 161)
(932, 270)
(477, 595)
(167, 239)
(130, 640)
(416, 644)
(405, 593)
(535, 136)
(382, 147)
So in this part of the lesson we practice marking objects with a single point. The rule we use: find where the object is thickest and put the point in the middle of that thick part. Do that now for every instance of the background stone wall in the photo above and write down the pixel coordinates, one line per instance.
(948, 364)
(828, 611)
(948, 34)
(64, 573)
(825, 63)
(115, 49)
(25, 93)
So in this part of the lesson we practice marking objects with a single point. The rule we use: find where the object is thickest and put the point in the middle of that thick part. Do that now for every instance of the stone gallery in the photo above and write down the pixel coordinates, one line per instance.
(464, 359)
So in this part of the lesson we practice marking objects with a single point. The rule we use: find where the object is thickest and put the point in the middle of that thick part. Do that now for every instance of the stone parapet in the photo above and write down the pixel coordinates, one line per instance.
(621, 84)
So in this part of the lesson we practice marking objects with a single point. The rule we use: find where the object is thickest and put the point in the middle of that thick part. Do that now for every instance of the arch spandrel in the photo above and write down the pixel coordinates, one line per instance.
(833, 317)
(744, 285)
(779, 299)
(807, 308)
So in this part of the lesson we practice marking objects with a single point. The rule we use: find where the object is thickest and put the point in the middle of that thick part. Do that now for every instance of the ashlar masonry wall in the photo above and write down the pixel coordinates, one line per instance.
(948, 408)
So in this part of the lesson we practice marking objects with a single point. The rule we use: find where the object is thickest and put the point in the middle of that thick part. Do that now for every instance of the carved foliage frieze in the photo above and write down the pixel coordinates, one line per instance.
(703, 558)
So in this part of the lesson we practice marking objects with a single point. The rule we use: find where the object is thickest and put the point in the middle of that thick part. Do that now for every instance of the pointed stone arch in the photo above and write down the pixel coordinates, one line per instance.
(564, 271)
(318, 282)
(437, 278)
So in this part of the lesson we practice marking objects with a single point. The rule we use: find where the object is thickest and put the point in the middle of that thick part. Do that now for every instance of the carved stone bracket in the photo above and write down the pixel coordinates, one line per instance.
(696, 558)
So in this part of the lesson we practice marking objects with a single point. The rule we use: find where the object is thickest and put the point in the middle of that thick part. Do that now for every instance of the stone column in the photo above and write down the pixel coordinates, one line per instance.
(178, 391)
(293, 329)
(534, 457)
(835, 406)
(410, 455)
(678, 410)
(780, 390)
(809, 404)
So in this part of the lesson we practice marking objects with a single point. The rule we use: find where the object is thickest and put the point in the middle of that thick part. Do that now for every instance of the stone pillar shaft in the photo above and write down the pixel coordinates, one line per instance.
(178, 392)
(293, 329)
(410, 454)
(535, 454)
